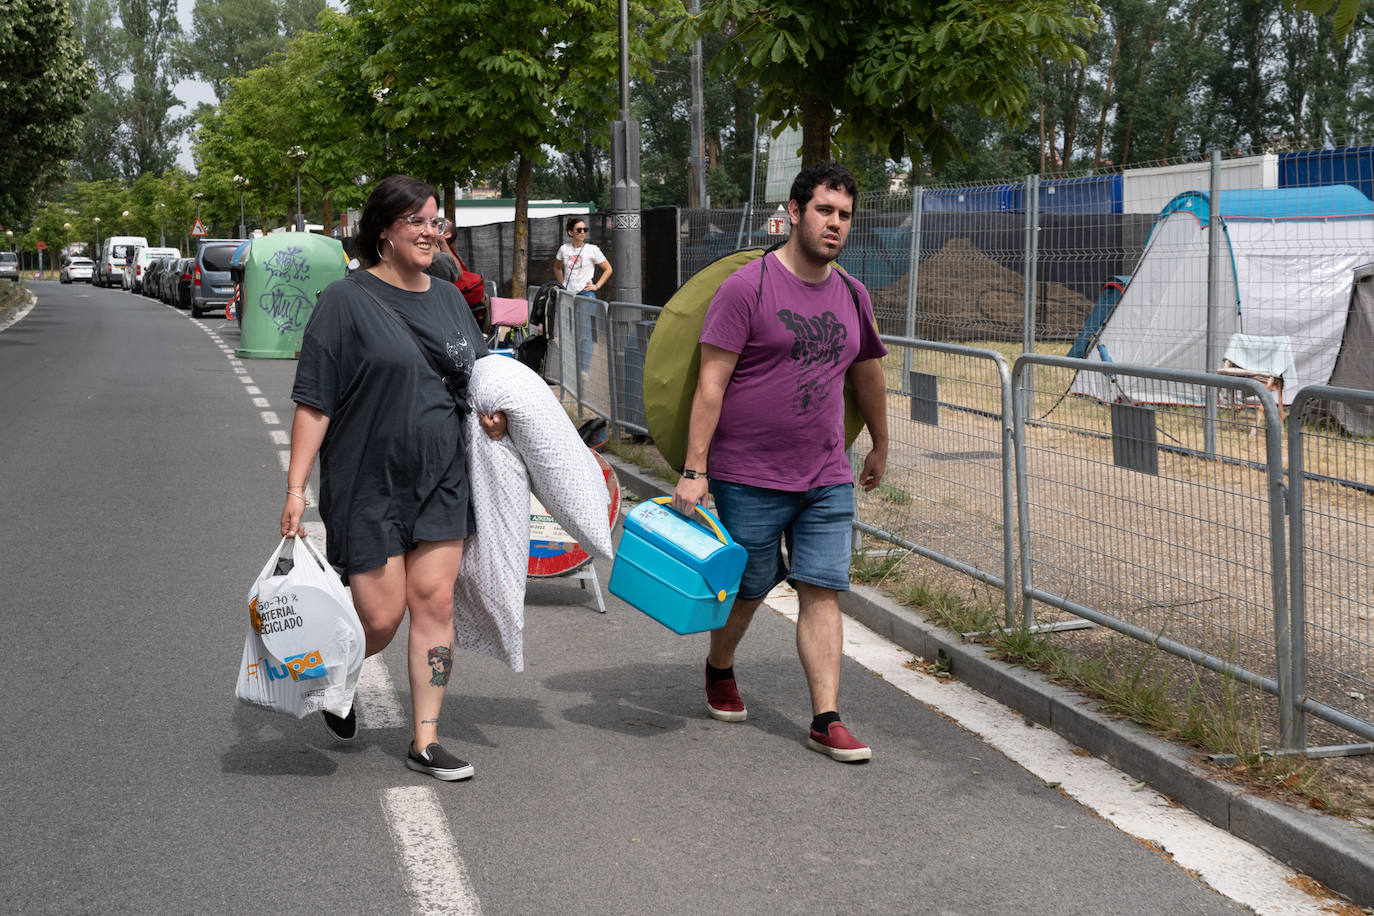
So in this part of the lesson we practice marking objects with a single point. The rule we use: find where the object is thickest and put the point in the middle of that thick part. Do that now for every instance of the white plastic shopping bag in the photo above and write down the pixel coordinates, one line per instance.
(305, 646)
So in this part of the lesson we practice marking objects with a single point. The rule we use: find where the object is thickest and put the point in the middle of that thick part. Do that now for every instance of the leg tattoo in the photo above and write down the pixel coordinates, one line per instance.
(441, 665)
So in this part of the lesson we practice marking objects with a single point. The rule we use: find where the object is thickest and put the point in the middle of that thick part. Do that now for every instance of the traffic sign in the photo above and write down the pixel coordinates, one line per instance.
(776, 225)
(199, 230)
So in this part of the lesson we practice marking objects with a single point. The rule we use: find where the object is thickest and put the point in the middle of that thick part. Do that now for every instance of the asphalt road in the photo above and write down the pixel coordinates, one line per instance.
(140, 487)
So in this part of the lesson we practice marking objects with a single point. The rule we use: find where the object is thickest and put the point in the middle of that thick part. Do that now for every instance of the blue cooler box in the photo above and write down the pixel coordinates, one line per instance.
(682, 572)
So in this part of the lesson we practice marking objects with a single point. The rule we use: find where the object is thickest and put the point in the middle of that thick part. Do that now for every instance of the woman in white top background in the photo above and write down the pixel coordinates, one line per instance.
(576, 261)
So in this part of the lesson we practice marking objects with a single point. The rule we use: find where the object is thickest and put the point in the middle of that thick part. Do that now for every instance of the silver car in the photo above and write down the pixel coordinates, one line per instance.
(9, 265)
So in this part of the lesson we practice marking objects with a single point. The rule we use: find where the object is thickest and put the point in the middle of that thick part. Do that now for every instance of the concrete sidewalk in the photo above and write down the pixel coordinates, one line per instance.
(1334, 851)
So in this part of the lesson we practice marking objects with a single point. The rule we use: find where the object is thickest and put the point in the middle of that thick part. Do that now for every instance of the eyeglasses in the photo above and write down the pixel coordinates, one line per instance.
(580, 229)
(418, 223)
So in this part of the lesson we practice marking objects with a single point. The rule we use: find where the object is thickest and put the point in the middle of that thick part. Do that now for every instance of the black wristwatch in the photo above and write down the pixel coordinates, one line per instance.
(691, 474)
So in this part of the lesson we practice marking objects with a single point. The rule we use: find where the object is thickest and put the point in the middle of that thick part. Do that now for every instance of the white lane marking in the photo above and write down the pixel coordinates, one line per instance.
(376, 699)
(261, 402)
(280, 437)
(436, 877)
(246, 379)
(251, 389)
(1229, 865)
(270, 418)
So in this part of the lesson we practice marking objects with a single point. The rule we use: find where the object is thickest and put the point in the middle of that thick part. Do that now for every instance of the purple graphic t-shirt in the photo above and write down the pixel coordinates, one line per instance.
(782, 419)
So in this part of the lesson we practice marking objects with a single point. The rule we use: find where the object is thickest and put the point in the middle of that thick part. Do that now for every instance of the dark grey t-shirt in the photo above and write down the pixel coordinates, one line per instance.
(393, 470)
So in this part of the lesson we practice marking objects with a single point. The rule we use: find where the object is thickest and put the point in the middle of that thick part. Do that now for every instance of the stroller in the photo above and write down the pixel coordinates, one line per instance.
(525, 329)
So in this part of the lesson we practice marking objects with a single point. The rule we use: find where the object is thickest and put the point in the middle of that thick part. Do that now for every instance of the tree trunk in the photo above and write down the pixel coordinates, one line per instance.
(520, 269)
(1071, 128)
(1139, 86)
(1183, 77)
(815, 124)
(327, 218)
(1107, 98)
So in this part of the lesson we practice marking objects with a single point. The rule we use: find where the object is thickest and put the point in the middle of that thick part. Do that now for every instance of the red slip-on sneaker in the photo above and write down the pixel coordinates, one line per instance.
(723, 701)
(838, 744)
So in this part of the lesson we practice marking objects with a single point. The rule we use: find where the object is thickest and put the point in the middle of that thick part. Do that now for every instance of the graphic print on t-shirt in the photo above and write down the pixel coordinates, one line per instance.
(817, 342)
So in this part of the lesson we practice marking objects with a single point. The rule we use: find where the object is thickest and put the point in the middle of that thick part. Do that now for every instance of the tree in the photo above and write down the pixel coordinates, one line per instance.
(46, 80)
(662, 105)
(527, 68)
(881, 73)
(1347, 12)
(102, 128)
(229, 38)
(312, 97)
(151, 30)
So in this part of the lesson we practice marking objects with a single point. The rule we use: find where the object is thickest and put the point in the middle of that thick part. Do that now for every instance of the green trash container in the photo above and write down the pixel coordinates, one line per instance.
(283, 274)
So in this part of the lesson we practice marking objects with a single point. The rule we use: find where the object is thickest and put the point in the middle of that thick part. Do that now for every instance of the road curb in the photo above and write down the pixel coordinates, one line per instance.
(1335, 852)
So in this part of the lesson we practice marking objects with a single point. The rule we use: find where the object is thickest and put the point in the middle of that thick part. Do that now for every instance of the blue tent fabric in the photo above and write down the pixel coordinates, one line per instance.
(1336, 201)
(1107, 299)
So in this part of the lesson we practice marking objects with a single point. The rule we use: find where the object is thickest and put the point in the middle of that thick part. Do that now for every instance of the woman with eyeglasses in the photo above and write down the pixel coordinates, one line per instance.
(388, 430)
(573, 266)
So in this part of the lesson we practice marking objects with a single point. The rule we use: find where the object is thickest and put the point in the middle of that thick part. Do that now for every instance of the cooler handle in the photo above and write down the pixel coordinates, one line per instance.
(710, 519)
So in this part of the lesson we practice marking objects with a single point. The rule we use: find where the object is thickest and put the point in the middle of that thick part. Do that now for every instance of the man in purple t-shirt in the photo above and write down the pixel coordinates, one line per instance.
(782, 335)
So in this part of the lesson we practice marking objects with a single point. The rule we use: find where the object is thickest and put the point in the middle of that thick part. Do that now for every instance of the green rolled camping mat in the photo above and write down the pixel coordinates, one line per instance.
(673, 360)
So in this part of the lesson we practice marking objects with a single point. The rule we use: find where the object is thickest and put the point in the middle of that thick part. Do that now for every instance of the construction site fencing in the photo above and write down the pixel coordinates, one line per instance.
(1151, 516)
(1131, 516)
(1331, 530)
(597, 358)
(948, 494)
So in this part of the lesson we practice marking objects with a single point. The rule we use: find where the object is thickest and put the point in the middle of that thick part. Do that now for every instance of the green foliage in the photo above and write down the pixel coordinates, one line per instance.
(1347, 11)
(884, 71)
(533, 71)
(44, 83)
(132, 46)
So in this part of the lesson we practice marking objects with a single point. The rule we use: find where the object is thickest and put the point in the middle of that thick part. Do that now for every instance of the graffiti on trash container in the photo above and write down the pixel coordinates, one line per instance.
(285, 303)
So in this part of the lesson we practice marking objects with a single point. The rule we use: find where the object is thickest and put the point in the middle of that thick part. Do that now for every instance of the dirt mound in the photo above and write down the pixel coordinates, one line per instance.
(962, 294)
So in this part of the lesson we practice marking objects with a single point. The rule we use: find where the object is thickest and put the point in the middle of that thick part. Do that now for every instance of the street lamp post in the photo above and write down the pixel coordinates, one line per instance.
(241, 183)
(297, 155)
(161, 224)
(96, 220)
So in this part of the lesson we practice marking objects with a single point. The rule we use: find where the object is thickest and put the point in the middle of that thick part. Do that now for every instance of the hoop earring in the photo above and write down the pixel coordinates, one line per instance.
(380, 259)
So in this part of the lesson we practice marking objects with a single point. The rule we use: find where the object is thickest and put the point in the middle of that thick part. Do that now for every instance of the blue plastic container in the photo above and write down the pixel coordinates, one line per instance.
(682, 572)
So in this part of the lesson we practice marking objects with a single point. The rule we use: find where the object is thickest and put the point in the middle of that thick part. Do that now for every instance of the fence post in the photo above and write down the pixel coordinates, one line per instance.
(615, 374)
(1297, 574)
(913, 275)
(1214, 275)
(1032, 256)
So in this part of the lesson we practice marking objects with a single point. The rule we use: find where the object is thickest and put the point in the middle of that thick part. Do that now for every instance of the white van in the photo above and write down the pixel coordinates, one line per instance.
(116, 252)
(133, 279)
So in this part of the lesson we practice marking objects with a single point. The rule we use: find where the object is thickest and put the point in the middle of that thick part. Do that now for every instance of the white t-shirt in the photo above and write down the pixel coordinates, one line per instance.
(579, 264)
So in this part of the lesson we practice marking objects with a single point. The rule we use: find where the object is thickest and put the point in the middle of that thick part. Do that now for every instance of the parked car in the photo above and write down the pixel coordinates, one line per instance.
(77, 269)
(143, 258)
(9, 265)
(116, 253)
(211, 285)
(166, 275)
(167, 283)
(181, 284)
(150, 278)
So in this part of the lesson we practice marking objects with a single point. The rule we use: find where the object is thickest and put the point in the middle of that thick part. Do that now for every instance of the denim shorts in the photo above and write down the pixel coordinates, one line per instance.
(816, 525)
